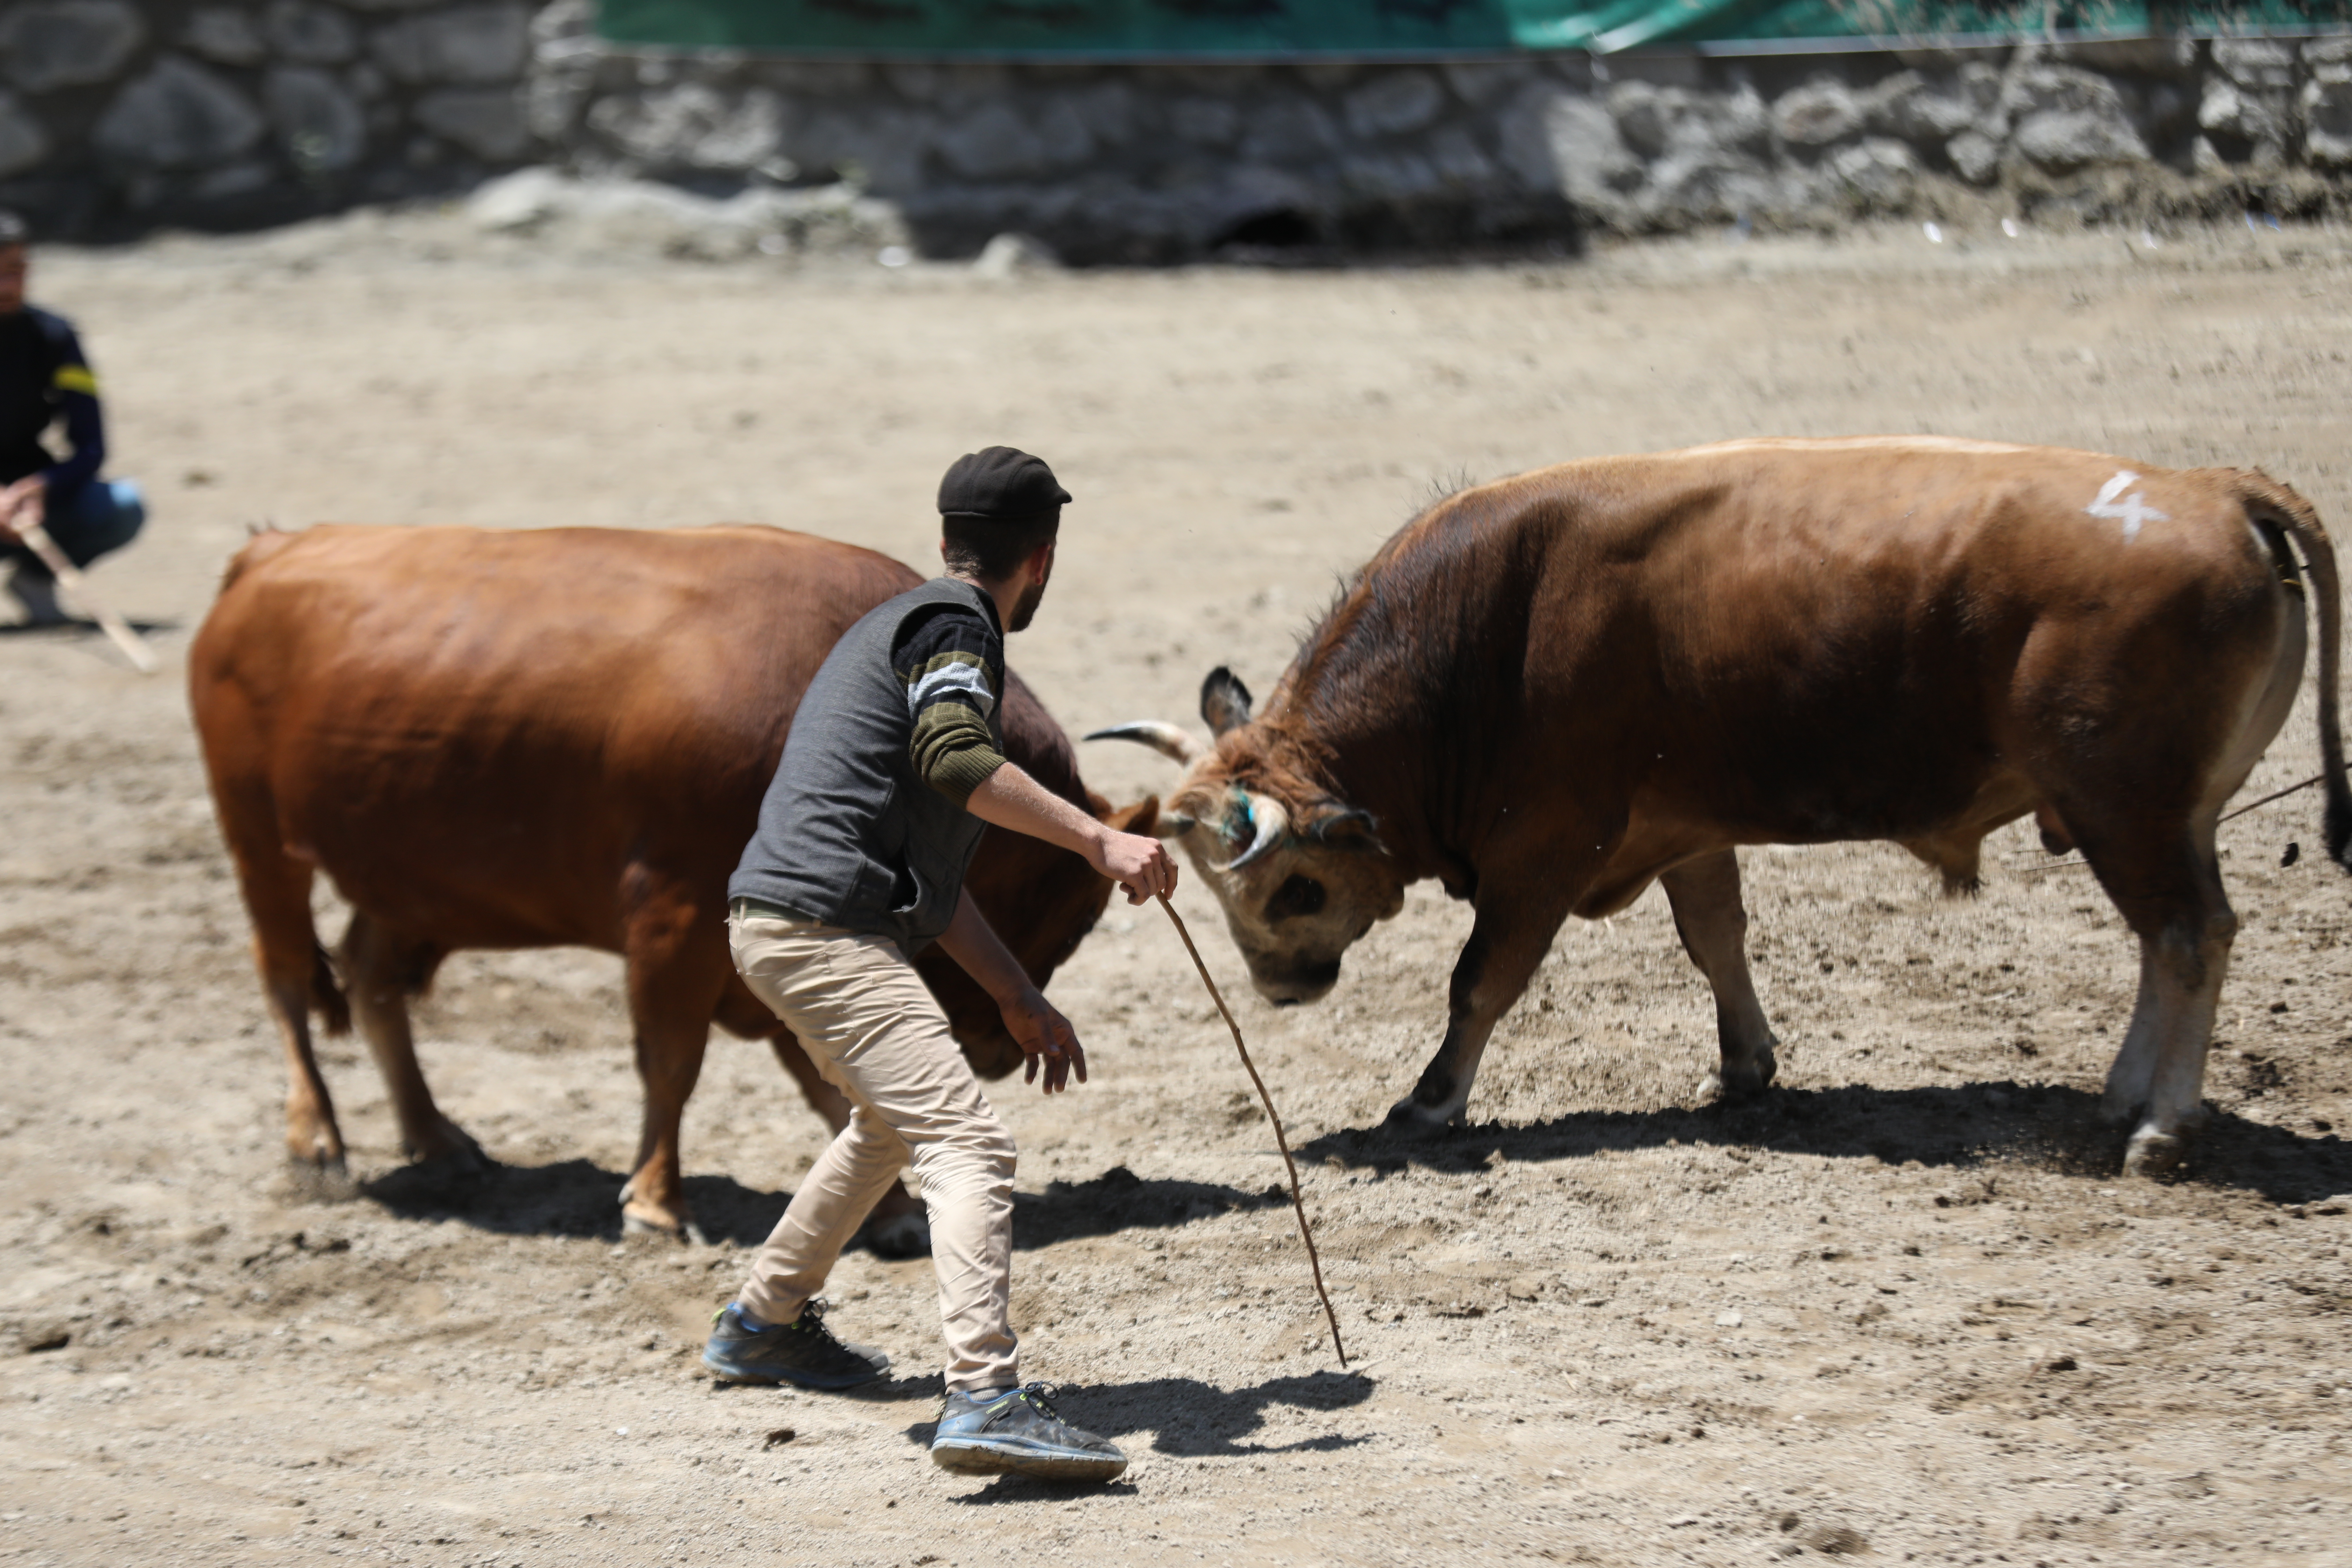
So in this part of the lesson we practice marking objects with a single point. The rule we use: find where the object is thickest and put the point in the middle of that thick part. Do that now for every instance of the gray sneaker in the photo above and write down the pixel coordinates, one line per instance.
(803, 1353)
(1017, 1431)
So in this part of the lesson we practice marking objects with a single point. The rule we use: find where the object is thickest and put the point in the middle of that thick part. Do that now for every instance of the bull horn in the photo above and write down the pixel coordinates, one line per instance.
(1272, 822)
(1165, 739)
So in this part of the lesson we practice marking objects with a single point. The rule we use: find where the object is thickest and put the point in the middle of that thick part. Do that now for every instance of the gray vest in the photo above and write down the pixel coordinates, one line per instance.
(848, 834)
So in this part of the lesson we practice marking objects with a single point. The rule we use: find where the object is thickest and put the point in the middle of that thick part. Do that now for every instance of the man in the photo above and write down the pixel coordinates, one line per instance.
(44, 378)
(893, 763)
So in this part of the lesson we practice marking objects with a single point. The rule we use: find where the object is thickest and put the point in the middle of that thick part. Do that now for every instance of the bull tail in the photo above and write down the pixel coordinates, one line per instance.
(327, 996)
(2268, 501)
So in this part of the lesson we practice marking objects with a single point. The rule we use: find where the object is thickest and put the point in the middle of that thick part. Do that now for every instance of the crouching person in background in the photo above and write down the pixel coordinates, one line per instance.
(45, 379)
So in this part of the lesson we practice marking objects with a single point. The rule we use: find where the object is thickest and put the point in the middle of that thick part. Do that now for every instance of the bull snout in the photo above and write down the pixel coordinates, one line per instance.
(1289, 984)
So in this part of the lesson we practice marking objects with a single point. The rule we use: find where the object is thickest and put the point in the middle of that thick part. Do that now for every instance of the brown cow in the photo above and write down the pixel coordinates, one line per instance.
(1551, 691)
(555, 738)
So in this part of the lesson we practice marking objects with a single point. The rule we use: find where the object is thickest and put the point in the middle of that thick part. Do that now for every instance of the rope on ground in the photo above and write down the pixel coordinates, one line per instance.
(2274, 795)
(1298, 1201)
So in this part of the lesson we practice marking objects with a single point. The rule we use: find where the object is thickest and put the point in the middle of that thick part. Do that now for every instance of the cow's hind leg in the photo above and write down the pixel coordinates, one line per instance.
(899, 1226)
(677, 969)
(295, 978)
(381, 972)
(2161, 869)
(2171, 896)
(314, 1142)
(1712, 920)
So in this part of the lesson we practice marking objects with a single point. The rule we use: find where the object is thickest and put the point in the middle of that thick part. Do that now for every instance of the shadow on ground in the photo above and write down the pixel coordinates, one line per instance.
(76, 624)
(1187, 1418)
(579, 1198)
(1966, 1125)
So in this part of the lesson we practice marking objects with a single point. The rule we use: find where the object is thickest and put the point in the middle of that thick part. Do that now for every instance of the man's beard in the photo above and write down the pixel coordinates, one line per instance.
(1024, 609)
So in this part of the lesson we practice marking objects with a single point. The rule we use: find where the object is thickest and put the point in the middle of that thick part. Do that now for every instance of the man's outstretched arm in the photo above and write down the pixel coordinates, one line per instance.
(1009, 798)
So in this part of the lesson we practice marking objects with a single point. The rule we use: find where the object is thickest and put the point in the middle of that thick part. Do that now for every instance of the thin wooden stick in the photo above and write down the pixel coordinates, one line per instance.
(61, 566)
(1298, 1201)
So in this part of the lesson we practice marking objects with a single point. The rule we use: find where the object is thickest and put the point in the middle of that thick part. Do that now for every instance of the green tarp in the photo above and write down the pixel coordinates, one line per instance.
(1104, 29)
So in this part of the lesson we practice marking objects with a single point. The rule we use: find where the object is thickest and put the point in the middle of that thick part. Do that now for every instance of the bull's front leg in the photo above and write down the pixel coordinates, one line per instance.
(1713, 923)
(678, 968)
(1507, 941)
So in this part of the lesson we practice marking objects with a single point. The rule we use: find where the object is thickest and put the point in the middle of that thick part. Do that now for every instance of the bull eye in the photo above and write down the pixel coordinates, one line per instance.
(1298, 896)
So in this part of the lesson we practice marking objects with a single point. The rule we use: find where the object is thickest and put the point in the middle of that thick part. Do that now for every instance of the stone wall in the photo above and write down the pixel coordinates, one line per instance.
(1159, 162)
(116, 117)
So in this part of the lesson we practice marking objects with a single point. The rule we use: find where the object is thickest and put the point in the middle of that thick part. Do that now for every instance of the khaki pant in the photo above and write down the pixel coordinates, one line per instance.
(876, 1034)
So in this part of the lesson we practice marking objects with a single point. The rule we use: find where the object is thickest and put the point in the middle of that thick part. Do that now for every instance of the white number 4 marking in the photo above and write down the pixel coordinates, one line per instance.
(2133, 509)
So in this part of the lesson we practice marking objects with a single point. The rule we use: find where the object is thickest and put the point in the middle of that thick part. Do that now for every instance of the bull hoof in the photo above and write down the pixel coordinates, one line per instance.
(1731, 1085)
(1409, 1117)
(452, 1156)
(327, 1180)
(2154, 1155)
(668, 1227)
(451, 1175)
(905, 1235)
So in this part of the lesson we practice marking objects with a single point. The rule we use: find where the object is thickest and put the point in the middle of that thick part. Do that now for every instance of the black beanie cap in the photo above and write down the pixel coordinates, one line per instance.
(999, 484)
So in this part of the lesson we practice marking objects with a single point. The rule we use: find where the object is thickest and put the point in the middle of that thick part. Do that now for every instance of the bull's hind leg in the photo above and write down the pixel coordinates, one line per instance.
(314, 1142)
(2161, 869)
(2173, 901)
(1712, 920)
(294, 979)
(381, 972)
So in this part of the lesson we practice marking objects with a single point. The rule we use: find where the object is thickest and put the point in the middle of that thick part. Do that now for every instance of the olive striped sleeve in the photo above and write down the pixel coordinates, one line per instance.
(952, 690)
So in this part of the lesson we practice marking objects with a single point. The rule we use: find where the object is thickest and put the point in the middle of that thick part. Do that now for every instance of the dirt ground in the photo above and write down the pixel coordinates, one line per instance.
(1906, 1309)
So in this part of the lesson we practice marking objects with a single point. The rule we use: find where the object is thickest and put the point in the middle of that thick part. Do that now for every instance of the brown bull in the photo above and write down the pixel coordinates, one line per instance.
(557, 737)
(1551, 691)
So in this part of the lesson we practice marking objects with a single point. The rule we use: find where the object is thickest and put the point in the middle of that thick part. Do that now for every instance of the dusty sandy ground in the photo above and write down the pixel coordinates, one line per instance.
(1906, 1309)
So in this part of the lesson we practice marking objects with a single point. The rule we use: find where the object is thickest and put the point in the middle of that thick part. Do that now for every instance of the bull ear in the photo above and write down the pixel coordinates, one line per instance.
(1346, 828)
(1171, 824)
(1140, 817)
(1224, 700)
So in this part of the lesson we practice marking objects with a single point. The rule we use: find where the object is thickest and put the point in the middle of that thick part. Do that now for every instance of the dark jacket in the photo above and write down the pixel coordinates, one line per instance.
(44, 378)
(849, 835)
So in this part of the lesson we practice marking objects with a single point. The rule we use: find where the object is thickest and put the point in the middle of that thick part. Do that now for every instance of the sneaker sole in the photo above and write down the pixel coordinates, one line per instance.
(985, 1459)
(798, 1380)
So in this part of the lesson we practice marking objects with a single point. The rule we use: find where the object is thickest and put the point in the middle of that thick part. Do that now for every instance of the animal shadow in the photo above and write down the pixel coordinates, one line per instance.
(580, 1198)
(568, 1198)
(1958, 1126)
(82, 625)
(1187, 1418)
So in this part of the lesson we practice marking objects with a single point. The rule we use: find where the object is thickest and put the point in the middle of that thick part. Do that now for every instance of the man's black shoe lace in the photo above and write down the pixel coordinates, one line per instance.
(812, 1321)
(1040, 1396)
